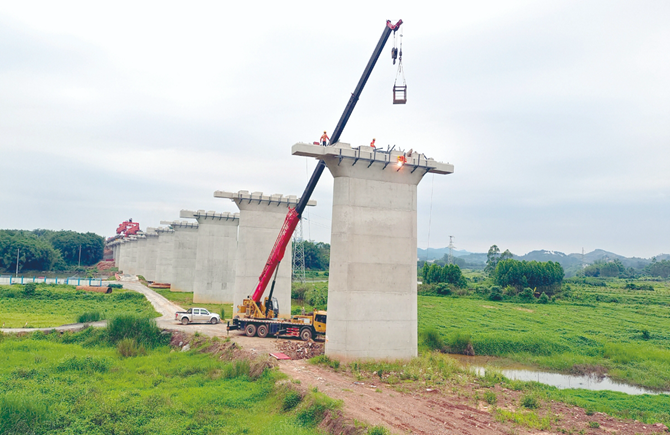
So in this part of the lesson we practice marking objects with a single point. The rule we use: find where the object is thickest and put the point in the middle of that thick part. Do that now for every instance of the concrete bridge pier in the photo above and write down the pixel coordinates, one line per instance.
(131, 265)
(185, 248)
(141, 254)
(214, 280)
(150, 253)
(261, 218)
(372, 290)
(164, 255)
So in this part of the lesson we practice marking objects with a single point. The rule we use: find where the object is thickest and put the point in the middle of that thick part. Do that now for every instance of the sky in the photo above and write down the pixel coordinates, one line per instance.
(555, 115)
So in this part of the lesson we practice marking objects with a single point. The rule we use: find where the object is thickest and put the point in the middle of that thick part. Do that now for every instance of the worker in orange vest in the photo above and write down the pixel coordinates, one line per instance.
(372, 144)
(324, 138)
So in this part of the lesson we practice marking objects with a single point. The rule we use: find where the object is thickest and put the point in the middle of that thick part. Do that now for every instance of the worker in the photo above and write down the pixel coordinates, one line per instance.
(324, 138)
(372, 144)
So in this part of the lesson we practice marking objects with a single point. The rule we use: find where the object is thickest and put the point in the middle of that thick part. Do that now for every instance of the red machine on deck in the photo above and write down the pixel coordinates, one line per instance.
(128, 228)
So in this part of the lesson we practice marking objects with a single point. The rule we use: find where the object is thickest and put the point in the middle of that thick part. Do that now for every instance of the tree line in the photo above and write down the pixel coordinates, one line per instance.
(448, 274)
(317, 255)
(46, 250)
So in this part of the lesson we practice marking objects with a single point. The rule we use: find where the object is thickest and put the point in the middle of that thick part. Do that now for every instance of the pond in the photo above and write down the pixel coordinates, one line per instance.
(516, 371)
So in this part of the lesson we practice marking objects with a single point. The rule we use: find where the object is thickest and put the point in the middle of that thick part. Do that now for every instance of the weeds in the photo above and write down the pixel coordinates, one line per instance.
(128, 347)
(324, 360)
(143, 330)
(528, 419)
(90, 316)
(490, 397)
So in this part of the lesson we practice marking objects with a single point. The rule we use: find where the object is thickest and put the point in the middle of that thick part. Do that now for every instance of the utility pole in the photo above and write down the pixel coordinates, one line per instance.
(79, 255)
(17, 262)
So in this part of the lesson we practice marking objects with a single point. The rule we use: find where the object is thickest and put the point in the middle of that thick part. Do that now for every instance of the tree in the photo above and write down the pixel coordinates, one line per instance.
(546, 276)
(492, 259)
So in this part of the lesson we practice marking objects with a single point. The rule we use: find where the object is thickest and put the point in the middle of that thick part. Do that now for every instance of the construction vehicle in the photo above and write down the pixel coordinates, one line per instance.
(125, 229)
(261, 317)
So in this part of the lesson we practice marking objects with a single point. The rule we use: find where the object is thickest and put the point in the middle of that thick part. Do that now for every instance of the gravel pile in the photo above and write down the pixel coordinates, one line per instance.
(300, 349)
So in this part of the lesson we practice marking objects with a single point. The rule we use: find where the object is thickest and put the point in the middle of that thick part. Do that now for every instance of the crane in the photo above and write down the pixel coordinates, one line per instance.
(253, 307)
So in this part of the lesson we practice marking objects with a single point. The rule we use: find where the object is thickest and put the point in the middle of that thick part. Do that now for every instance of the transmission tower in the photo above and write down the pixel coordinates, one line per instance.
(451, 249)
(298, 254)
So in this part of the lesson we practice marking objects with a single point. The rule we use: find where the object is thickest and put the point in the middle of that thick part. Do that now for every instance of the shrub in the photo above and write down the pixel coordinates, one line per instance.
(460, 342)
(378, 430)
(222, 313)
(431, 338)
(594, 424)
(142, 329)
(530, 401)
(291, 400)
(29, 289)
(298, 291)
(443, 289)
(317, 297)
(490, 397)
(526, 295)
(91, 316)
(128, 347)
(496, 293)
(543, 299)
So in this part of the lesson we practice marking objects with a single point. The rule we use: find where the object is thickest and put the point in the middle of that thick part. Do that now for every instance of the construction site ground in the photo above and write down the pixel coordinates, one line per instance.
(451, 409)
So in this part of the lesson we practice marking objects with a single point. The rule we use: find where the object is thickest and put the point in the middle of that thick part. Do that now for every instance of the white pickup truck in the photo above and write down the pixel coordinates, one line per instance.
(197, 315)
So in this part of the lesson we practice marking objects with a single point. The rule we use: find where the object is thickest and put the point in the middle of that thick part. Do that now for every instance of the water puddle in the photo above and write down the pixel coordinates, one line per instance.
(516, 371)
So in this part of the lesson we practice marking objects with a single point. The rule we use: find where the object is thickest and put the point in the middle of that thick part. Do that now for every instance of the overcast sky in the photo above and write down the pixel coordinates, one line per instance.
(556, 115)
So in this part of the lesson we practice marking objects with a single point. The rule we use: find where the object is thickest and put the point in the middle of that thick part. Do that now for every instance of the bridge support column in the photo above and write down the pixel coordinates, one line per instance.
(372, 290)
(214, 280)
(165, 255)
(185, 247)
(131, 264)
(261, 219)
(150, 254)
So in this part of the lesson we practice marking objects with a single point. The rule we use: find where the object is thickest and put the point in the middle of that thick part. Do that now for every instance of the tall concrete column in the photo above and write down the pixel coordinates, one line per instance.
(372, 288)
(185, 247)
(141, 254)
(261, 218)
(150, 254)
(165, 255)
(121, 253)
(132, 255)
(214, 280)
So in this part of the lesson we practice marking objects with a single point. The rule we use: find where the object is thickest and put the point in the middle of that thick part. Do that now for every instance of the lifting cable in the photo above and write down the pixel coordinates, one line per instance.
(397, 52)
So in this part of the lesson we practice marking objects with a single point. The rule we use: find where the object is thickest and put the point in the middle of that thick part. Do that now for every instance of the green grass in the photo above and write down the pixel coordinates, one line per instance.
(629, 337)
(185, 300)
(55, 305)
(73, 385)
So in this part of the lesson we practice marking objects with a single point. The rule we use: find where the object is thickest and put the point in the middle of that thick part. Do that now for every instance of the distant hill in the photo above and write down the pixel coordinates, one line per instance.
(567, 261)
(436, 254)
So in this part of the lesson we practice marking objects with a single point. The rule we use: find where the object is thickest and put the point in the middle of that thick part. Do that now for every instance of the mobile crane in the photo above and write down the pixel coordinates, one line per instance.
(260, 317)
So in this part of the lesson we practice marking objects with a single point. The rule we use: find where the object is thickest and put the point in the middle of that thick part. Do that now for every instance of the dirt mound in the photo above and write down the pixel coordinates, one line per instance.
(300, 349)
(104, 265)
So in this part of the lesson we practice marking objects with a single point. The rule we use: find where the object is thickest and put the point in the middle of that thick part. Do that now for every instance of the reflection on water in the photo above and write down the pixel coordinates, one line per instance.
(520, 372)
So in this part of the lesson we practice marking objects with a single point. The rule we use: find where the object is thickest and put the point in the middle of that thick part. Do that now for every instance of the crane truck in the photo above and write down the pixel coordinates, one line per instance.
(258, 316)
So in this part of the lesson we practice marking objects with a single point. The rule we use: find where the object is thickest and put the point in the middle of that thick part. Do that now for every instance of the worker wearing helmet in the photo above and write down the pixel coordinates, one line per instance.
(372, 144)
(324, 138)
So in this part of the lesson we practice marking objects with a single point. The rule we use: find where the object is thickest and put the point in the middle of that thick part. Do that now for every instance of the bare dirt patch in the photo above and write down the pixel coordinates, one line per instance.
(527, 310)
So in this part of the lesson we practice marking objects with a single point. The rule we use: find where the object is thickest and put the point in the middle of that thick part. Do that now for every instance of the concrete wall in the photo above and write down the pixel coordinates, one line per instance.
(164, 255)
(372, 300)
(214, 280)
(185, 249)
(261, 218)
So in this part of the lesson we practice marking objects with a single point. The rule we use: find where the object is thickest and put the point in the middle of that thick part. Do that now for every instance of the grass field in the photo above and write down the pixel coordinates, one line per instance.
(74, 384)
(625, 331)
(55, 305)
(185, 300)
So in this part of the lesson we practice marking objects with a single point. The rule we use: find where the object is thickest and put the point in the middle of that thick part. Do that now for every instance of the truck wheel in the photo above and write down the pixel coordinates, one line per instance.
(262, 331)
(250, 330)
(214, 321)
(184, 320)
(306, 334)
